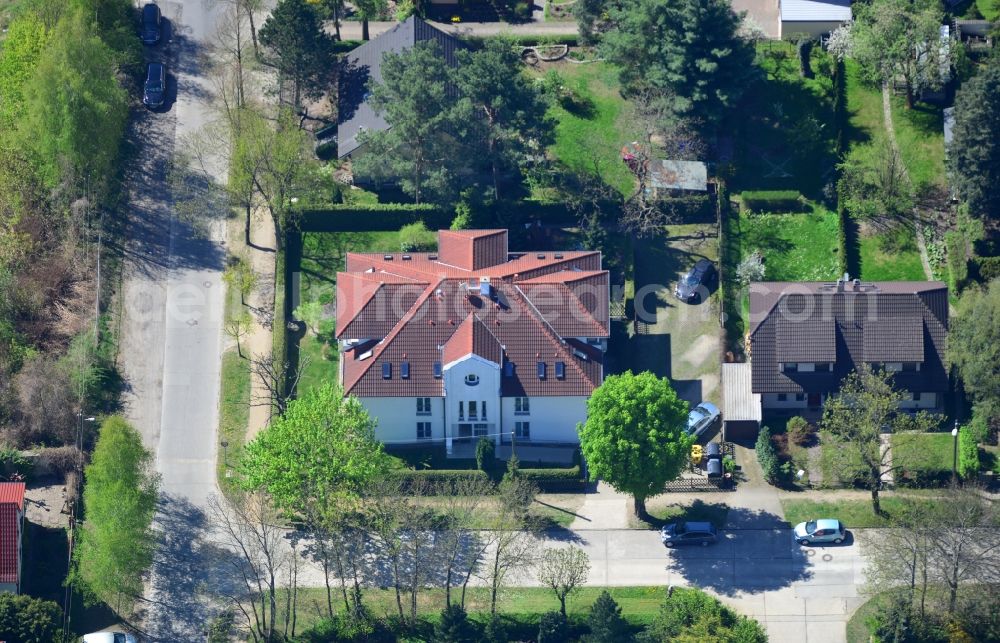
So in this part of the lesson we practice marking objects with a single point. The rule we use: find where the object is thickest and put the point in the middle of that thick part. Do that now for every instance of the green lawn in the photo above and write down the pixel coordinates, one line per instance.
(593, 126)
(854, 513)
(924, 451)
(864, 106)
(796, 247)
(902, 262)
(234, 412)
(920, 136)
(638, 604)
(698, 511)
(318, 361)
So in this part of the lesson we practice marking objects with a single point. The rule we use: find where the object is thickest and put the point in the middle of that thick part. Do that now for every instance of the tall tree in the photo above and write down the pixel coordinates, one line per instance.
(321, 452)
(854, 420)
(304, 50)
(24, 44)
(421, 145)
(590, 19)
(75, 109)
(607, 625)
(634, 437)
(119, 498)
(690, 48)
(564, 571)
(888, 34)
(27, 619)
(974, 154)
(974, 346)
(500, 97)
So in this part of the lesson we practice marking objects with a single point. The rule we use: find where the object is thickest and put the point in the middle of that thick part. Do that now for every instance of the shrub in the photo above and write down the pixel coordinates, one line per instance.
(767, 457)
(968, 453)
(454, 626)
(485, 454)
(29, 620)
(804, 49)
(495, 631)
(606, 622)
(553, 628)
(415, 237)
(522, 10)
(958, 265)
(799, 430)
(59, 460)
(12, 462)
(989, 268)
(691, 614)
(772, 201)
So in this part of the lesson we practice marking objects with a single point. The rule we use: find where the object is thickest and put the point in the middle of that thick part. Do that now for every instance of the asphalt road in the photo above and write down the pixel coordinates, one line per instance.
(171, 330)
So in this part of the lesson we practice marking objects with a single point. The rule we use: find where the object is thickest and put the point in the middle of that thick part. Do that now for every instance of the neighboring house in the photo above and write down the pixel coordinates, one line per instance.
(364, 65)
(811, 17)
(806, 337)
(473, 340)
(11, 531)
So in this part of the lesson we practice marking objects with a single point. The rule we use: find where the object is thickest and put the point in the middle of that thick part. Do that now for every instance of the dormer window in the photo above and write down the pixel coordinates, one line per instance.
(471, 379)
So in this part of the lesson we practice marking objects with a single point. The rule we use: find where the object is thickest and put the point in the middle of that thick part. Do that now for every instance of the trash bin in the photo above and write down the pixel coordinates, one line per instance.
(713, 450)
(714, 468)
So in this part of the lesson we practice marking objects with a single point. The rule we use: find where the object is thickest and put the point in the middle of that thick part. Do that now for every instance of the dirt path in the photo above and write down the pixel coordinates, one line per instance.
(261, 301)
(890, 131)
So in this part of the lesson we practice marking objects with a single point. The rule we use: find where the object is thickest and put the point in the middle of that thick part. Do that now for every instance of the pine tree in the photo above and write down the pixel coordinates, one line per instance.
(606, 622)
(454, 626)
(553, 628)
(974, 153)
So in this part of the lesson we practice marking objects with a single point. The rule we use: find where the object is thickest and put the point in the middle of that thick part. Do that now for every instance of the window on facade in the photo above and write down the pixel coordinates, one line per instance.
(473, 411)
(471, 379)
(461, 410)
(910, 367)
(893, 367)
(479, 430)
(782, 397)
(799, 397)
(823, 367)
(423, 430)
(916, 396)
(483, 408)
(423, 406)
(790, 367)
(522, 430)
(521, 406)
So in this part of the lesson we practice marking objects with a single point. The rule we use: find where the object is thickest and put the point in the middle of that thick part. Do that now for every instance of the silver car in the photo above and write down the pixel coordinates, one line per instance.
(702, 418)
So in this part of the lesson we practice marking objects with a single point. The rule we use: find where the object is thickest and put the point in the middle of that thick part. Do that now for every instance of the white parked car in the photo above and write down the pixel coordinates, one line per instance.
(110, 637)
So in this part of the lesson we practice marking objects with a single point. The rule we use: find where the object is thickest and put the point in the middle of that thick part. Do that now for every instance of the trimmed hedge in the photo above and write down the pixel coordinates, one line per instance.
(968, 453)
(772, 201)
(548, 480)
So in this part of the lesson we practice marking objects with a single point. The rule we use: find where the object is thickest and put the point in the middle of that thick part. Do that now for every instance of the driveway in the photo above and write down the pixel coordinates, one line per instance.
(674, 339)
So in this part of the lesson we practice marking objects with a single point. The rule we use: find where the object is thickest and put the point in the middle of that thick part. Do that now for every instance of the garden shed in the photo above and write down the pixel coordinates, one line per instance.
(741, 412)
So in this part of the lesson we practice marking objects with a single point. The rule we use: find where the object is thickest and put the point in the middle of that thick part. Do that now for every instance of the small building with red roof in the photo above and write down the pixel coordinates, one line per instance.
(473, 340)
(11, 531)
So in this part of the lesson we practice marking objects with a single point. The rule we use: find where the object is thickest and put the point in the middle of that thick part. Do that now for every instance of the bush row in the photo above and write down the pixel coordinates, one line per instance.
(548, 480)
(968, 454)
(772, 201)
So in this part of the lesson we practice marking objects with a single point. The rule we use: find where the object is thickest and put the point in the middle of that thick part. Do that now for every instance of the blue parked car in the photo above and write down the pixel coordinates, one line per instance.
(823, 530)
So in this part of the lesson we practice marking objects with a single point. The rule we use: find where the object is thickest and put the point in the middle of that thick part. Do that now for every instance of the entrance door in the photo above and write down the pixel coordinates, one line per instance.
(814, 400)
(465, 430)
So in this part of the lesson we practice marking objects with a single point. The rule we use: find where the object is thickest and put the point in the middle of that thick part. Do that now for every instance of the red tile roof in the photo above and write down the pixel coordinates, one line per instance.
(453, 317)
(472, 249)
(11, 505)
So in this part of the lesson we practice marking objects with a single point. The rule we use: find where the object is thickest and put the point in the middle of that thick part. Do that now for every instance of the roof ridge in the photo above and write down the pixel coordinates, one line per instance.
(553, 335)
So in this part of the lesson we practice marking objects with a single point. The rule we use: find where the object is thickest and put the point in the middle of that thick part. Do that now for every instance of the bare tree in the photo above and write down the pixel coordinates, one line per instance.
(564, 570)
(238, 326)
(458, 543)
(276, 378)
(247, 524)
(964, 542)
(899, 556)
(512, 543)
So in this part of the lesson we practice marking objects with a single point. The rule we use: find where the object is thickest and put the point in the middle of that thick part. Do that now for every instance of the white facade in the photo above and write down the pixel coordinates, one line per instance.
(800, 401)
(473, 407)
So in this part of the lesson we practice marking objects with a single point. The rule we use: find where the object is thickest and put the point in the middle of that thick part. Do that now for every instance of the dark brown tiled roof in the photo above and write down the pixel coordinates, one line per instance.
(809, 340)
(897, 317)
(895, 339)
(454, 317)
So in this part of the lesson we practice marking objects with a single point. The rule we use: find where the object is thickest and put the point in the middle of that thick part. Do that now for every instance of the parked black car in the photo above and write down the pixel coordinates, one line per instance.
(698, 282)
(688, 533)
(156, 85)
(150, 33)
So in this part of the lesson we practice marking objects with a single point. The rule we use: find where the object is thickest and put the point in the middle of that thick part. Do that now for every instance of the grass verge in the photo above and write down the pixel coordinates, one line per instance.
(697, 511)
(855, 513)
(234, 412)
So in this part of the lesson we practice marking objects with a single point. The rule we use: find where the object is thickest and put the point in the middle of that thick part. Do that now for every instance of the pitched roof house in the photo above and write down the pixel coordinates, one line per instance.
(473, 340)
(364, 64)
(11, 530)
(806, 337)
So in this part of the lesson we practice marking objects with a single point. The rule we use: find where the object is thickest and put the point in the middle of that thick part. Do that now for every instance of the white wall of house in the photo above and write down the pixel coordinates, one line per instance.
(771, 401)
(397, 418)
(552, 419)
(9, 588)
(485, 390)
(926, 401)
(792, 28)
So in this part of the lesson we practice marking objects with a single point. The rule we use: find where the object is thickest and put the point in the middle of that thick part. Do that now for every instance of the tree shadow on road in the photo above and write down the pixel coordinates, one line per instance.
(744, 560)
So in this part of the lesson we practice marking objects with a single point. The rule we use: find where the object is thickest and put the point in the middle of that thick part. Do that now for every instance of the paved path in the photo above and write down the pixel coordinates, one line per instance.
(603, 509)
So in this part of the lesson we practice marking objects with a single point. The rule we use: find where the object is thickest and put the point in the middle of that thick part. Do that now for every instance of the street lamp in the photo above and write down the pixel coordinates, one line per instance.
(954, 454)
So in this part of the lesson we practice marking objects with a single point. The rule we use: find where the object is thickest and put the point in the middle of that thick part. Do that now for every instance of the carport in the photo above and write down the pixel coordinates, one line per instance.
(740, 405)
